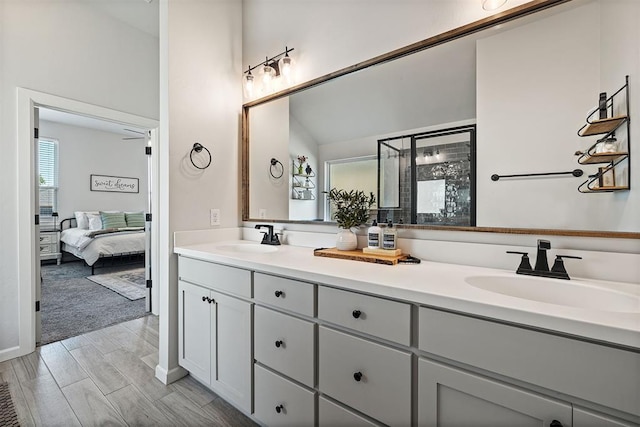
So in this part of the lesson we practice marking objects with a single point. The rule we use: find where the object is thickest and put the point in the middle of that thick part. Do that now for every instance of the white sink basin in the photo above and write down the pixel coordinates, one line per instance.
(247, 248)
(560, 292)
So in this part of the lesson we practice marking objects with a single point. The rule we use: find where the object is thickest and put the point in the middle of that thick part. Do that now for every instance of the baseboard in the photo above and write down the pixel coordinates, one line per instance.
(10, 353)
(172, 375)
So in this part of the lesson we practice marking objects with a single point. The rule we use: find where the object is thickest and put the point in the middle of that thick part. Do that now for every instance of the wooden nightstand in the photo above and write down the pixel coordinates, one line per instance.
(50, 245)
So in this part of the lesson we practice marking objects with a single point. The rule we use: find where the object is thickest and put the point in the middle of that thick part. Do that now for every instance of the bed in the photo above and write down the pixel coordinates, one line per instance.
(97, 245)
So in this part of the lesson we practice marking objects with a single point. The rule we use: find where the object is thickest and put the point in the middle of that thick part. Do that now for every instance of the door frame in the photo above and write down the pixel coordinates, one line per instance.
(28, 254)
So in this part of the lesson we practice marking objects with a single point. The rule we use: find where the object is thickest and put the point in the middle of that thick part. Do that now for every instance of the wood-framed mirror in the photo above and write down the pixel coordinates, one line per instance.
(526, 79)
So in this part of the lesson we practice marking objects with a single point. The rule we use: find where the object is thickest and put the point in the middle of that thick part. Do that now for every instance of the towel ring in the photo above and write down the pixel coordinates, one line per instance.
(197, 147)
(275, 162)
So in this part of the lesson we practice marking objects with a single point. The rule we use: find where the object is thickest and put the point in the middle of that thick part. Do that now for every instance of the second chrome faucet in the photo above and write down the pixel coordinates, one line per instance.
(542, 266)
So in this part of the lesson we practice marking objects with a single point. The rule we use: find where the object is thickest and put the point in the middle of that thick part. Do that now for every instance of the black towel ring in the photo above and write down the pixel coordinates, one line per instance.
(275, 162)
(197, 147)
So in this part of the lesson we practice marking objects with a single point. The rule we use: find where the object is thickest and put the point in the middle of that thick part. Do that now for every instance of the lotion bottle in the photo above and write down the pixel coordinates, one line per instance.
(374, 235)
(389, 237)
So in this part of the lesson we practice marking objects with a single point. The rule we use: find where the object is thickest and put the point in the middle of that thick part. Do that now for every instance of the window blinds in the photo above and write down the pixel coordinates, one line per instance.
(48, 176)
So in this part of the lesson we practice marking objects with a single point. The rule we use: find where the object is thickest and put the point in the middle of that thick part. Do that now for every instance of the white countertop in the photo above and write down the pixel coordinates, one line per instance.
(437, 285)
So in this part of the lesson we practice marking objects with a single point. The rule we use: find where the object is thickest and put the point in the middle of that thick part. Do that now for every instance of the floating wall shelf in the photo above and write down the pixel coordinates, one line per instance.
(607, 127)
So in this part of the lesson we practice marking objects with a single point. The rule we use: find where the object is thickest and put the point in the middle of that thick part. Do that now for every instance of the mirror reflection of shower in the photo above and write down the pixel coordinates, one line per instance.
(436, 187)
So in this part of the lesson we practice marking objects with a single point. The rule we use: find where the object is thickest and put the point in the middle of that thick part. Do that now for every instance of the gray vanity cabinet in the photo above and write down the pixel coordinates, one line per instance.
(215, 329)
(449, 397)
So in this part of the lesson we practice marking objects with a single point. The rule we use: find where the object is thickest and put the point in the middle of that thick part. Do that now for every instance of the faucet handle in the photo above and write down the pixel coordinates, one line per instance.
(558, 265)
(524, 261)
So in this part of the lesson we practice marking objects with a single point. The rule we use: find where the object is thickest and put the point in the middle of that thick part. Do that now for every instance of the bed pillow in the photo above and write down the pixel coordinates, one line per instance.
(82, 222)
(134, 219)
(95, 221)
(113, 220)
(82, 219)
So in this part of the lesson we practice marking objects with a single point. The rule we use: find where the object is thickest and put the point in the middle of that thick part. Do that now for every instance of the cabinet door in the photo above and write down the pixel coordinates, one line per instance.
(584, 418)
(231, 357)
(194, 326)
(451, 397)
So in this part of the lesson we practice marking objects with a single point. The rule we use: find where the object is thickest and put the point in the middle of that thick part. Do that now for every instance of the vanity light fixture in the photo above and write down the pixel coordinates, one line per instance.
(493, 4)
(272, 70)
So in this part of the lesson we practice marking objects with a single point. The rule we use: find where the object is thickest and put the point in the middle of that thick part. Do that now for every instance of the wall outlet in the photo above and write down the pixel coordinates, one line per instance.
(215, 216)
(262, 213)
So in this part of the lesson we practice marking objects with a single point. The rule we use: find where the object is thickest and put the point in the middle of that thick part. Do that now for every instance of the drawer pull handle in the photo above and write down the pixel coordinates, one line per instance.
(555, 423)
(279, 343)
(279, 294)
(357, 376)
(279, 408)
(356, 314)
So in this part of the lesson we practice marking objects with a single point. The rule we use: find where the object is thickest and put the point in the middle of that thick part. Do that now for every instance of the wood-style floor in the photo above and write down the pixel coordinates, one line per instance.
(106, 377)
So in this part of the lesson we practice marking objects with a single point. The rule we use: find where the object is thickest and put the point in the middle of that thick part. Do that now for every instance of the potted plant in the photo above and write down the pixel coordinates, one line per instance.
(351, 211)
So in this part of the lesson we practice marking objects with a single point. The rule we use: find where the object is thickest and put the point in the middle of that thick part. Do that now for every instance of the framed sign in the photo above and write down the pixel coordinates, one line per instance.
(114, 184)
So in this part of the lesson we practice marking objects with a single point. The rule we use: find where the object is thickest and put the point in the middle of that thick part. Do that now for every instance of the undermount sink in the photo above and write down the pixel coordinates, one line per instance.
(248, 248)
(559, 292)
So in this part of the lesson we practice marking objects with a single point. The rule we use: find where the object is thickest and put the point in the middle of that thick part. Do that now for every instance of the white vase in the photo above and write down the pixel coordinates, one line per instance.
(347, 240)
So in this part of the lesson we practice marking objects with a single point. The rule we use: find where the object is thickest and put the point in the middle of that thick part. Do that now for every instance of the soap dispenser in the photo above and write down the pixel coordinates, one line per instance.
(389, 237)
(373, 235)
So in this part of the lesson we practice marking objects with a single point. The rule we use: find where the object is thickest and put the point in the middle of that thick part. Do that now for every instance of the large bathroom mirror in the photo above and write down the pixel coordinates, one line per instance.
(524, 81)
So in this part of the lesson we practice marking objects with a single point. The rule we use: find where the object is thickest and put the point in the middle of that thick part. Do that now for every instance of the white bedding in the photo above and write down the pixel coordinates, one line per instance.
(77, 242)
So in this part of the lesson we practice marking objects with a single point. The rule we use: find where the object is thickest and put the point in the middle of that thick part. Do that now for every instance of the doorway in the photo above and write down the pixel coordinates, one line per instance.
(93, 274)
(28, 229)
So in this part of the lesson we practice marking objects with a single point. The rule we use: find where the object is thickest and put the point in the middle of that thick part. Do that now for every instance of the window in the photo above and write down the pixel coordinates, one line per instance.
(48, 176)
(351, 174)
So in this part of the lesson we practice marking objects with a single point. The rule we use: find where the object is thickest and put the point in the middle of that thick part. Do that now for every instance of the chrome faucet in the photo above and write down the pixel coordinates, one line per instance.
(269, 238)
(542, 266)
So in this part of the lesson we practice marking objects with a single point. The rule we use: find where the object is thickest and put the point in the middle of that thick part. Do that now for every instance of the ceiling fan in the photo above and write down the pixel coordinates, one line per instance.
(127, 138)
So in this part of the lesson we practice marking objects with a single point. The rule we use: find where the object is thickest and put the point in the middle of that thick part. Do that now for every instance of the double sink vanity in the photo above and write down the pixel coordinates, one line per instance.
(293, 339)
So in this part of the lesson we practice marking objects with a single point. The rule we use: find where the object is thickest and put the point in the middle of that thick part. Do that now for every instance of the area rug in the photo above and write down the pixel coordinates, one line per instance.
(8, 415)
(130, 284)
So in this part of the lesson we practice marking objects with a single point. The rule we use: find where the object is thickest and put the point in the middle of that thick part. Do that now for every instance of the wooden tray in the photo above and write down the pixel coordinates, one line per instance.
(358, 255)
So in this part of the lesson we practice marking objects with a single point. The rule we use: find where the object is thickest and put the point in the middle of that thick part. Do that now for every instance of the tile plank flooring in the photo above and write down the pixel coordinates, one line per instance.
(106, 377)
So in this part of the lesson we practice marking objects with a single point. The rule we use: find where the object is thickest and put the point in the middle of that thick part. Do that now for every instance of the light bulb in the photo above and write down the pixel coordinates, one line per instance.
(248, 85)
(492, 4)
(268, 77)
(286, 68)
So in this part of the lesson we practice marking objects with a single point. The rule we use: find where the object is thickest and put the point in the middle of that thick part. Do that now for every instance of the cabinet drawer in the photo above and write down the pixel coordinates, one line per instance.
(47, 238)
(589, 371)
(279, 402)
(215, 276)
(331, 415)
(380, 317)
(47, 249)
(285, 293)
(285, 344)
(371, 378)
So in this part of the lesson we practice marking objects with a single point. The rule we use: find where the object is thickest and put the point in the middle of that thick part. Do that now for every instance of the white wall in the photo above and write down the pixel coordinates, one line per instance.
(329, 35)
(68, 49)
(82, 152)
(200, 101)
(504, 63)
(301, 143)
(269, 124)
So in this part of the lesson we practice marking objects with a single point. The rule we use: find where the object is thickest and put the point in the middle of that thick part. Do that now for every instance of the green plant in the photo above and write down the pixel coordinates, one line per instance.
(352, 207)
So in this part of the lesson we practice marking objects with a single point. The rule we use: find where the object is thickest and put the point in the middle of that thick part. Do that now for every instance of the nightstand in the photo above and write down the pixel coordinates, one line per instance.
(50, 245)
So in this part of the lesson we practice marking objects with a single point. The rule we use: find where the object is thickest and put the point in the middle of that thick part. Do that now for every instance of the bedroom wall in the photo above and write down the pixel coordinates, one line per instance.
(82, 152)
(73, 50)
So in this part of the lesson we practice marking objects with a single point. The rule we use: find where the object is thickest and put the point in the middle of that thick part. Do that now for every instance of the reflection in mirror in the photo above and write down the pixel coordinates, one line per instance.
(431, 181)
(526, 85)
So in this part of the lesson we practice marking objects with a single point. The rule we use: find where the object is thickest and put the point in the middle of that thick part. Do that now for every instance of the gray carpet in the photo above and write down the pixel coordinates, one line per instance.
(72, 305)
